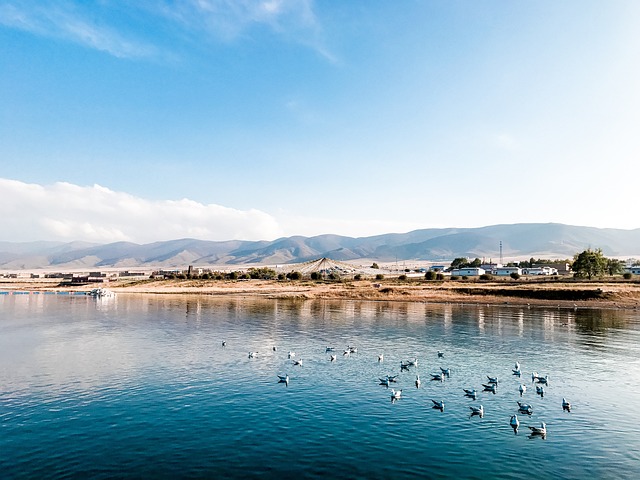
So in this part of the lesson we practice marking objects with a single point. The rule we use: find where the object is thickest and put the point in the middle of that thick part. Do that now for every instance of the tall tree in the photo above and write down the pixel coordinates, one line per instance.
(614, 266)
(589, 263)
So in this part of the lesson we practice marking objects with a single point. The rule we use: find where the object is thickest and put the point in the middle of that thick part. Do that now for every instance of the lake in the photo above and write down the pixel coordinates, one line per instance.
(141, 387)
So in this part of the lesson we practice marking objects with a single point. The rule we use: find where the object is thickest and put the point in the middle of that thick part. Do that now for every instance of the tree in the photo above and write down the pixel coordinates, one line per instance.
(459, 262)
(430, 275)
(294, 275)
(614, 266)
(515, 275)
(375, 265)
(589, 263)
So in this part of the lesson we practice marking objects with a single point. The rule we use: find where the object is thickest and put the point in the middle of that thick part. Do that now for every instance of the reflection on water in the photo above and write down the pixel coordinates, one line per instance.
(146, 379)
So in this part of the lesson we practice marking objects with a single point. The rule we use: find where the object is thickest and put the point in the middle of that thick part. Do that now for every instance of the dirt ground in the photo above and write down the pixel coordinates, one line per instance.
(564, 294)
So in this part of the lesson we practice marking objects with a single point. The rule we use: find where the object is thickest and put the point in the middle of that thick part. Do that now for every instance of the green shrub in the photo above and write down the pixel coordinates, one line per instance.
(357, 276)
(454, 277)
(627, 275)
(486, 276)
(402, 278)
(515, 275)
(379, 276)
(430, 275)
(439, 276)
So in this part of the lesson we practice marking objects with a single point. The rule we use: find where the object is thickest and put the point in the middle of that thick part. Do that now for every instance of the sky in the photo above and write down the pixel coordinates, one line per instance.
(257, 119)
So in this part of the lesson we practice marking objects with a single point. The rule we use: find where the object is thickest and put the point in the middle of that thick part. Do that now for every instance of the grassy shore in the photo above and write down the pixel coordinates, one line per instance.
(566, 294)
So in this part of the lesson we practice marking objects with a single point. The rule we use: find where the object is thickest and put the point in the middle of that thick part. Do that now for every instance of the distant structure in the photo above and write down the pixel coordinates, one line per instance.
(327, 266)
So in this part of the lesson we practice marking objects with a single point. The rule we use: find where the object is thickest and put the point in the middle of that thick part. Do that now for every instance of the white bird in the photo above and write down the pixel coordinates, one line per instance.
(565, 404)
(353, 350)
(540, 390)
(329, 349)
(541, 430)
(493, 379)
(381, 357)
(446, 371)
(534, 376)
(392, 378)
(514, 422)
(440, 354)
(291, 354)
(517, 372)
(298, 362)
(224, 344)
(404, 366)
(384, 381)
(470, 393)
(523, 388)
(346, 353)
(477, 410)
(516, 366)
(417, 381)
(413, 363)
(544, 380)
(395, 394)
(252, 354)
(437, 376)
(332, 358)
(525, 408)
(284, 378)
(492, 387)
(438, 404)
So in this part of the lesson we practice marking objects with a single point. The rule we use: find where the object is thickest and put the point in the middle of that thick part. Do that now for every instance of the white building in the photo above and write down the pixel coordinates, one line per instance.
(468, 272)
(634, 270)
(506, 271)
(540, 271)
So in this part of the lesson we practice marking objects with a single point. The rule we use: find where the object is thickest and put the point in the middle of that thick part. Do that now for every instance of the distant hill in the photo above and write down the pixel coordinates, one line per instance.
(525, 240)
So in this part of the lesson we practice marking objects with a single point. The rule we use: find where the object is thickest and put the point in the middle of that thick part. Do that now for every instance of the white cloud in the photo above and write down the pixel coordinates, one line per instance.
(67, 212)
(228, 20)
(63, 20)
(98, 27)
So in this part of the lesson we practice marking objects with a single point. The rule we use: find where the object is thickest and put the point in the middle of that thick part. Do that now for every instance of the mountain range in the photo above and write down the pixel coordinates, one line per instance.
(520, 241)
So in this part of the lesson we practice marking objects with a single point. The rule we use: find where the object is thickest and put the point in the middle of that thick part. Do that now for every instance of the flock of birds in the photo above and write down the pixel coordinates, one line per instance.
(490, 386)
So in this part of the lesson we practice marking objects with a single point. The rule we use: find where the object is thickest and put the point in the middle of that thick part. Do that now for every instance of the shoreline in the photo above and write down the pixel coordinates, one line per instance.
(560, 294)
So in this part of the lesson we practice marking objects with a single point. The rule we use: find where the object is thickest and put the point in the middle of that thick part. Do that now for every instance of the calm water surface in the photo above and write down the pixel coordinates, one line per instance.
(141, 387)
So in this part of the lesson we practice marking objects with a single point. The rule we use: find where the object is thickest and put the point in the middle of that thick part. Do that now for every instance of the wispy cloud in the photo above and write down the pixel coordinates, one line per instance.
(66, 212)
(65, 21)
(98, 26)
(229, 20)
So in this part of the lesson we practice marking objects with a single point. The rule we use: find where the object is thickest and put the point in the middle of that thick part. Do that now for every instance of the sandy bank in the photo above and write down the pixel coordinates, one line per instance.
(566, 294)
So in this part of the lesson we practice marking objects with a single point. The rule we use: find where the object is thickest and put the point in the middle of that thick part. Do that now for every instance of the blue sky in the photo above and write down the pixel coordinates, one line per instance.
(222, 119)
